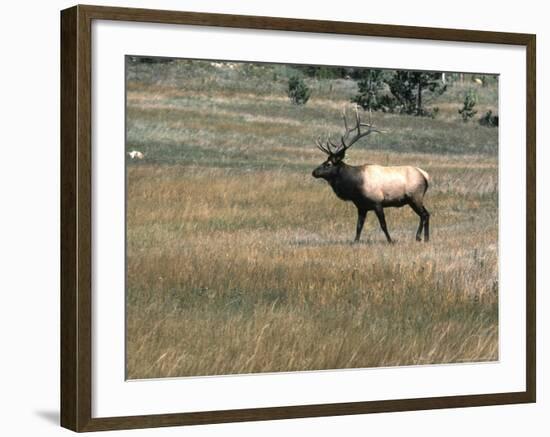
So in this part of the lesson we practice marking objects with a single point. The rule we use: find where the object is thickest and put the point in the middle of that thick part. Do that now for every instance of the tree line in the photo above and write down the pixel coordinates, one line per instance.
(409, 91)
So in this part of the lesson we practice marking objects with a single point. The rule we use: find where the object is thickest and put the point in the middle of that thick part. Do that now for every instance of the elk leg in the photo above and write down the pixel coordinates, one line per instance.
(382, 219)
(419, 230)
(426, 218)
(361, 215)
(424, 221)
(418, 210)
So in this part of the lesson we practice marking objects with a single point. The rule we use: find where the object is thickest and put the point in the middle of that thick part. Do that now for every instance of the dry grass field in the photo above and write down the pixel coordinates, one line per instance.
(240, 262)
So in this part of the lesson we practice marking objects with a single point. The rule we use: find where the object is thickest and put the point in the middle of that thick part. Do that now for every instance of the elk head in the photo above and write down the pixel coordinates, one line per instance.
(337, 152)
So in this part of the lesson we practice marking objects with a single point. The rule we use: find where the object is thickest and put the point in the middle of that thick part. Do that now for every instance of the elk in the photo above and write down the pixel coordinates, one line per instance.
(370, 186)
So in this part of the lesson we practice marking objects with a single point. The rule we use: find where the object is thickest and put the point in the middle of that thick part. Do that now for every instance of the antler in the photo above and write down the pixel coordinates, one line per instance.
(324, 148)
(345, 140)
(327, 146)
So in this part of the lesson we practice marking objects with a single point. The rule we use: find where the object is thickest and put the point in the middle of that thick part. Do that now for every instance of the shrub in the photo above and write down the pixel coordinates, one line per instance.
(298, 92)
(489, 119)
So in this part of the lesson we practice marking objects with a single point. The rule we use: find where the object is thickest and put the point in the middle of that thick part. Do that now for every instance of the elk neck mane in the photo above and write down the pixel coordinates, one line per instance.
(348, 182)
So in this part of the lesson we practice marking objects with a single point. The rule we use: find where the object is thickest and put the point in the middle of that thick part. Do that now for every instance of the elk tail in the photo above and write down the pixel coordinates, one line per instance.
(426, 177)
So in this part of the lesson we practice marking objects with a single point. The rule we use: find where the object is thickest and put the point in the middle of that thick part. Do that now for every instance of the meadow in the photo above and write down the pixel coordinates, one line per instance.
(238, 261)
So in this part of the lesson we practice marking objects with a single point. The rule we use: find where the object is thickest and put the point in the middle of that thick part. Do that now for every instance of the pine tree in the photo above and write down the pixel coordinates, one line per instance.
(298, 91)
(412, 88)
(467, 111)
(370, 85)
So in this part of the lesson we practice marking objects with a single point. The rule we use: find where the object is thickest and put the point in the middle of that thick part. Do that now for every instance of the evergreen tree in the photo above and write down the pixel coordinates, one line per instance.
(467, 111)
(370, 85)
(298, 91)
(411, 89)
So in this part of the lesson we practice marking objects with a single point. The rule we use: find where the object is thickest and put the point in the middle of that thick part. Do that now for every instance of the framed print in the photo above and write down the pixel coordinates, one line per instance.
(268, 218)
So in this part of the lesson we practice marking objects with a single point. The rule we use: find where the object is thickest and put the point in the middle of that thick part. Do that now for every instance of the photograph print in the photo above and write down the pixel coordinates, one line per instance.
(286, 218)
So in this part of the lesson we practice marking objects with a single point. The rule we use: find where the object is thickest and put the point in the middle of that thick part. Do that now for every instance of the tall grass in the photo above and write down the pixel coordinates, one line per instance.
(240, 262)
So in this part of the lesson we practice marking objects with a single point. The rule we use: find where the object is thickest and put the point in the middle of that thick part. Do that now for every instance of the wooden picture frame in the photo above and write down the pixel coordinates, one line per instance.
(76, 218)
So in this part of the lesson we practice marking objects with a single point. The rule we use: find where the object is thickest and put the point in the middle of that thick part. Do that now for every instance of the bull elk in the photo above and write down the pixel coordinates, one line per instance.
(370, 186)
